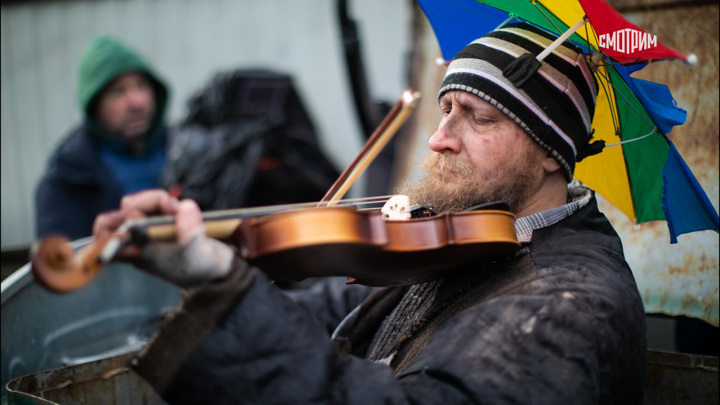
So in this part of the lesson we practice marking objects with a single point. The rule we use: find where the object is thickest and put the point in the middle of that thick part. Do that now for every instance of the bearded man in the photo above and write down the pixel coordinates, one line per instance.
(560, 321)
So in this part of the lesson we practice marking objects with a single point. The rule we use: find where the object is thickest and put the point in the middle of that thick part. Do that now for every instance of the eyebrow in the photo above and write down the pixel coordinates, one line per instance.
(444, 100)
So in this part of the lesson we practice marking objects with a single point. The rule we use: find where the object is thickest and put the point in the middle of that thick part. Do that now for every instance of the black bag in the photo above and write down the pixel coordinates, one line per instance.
(247, 141)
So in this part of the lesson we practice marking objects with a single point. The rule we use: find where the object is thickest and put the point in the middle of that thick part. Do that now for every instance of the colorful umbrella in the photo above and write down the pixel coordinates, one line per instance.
(640, 171)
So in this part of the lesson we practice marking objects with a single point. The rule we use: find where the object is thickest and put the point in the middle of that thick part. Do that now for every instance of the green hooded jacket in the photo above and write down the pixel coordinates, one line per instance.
(104, 59)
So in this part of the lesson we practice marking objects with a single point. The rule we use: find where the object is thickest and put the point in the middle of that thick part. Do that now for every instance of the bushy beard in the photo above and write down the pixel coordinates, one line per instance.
(451, 185)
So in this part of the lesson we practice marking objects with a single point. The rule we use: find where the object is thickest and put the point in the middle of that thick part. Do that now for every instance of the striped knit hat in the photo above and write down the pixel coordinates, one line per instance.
(552, 100)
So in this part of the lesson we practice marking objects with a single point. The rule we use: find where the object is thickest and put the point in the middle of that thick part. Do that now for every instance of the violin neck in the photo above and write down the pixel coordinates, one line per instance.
(141, 234)
(221, 224)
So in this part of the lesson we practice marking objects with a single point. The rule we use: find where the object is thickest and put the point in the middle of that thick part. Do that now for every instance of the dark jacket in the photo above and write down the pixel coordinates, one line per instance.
(559, 322)
(77, 185)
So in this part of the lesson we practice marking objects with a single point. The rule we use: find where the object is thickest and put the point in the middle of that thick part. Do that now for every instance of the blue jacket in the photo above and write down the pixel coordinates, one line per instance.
(78, 186)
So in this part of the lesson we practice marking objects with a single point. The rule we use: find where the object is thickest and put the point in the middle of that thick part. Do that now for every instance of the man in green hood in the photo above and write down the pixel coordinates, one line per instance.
(118, 149)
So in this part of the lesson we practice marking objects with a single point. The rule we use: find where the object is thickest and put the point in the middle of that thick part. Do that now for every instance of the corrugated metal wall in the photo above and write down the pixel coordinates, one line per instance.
(187, 41)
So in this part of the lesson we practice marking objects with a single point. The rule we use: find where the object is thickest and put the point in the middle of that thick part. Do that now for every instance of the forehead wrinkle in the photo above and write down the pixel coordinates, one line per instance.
(474, 102)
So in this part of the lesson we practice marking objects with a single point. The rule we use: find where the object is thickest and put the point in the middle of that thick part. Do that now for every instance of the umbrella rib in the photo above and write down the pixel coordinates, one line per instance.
(652, 132)
(652, 126)
(594, 35)
(614, 113)
(611, 102)
(534, 3)
(619, 63)
(511, 16)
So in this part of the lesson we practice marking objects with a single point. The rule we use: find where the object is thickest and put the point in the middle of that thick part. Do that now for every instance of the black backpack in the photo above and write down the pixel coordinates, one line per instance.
(247, 141)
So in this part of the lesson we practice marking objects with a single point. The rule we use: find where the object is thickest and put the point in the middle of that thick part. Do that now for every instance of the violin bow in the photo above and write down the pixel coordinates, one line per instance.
(377, 141)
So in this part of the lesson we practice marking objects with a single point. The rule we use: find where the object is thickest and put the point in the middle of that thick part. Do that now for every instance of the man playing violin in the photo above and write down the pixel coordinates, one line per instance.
(560, 321)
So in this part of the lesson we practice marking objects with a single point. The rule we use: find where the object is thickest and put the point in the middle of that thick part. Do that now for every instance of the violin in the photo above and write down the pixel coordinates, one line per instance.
(331, 238)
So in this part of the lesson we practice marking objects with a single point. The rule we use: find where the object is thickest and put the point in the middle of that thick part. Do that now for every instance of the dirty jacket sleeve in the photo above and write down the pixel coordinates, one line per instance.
(244, 340)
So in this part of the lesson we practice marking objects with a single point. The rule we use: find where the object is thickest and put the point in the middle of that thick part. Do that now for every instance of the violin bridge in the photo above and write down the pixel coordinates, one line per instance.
(397, 208)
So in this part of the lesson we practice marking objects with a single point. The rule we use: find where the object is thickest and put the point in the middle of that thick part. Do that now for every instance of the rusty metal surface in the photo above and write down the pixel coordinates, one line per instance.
(106, 381)
(679, 279)
(625, 6)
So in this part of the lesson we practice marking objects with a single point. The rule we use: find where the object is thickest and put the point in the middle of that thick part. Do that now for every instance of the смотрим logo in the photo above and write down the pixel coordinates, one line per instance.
(628, 40)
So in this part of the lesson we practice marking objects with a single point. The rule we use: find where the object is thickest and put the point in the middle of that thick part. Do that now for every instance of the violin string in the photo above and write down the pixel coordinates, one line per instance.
(279, 208)
(285, 207)
(250, 211)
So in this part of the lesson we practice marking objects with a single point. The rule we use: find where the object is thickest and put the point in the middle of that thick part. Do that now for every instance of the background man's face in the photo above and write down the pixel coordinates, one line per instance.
(126, 106)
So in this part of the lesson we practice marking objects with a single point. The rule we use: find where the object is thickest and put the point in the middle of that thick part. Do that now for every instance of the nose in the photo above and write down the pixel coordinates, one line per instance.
(445, 138)
(138, 96)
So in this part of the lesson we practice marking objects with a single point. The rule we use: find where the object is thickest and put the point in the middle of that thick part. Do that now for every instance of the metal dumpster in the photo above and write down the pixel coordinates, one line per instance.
(105, 381)
(114, 315)
(679, 378)
(672, 378)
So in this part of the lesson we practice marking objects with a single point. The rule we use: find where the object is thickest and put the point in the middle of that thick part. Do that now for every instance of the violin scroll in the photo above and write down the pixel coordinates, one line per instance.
(57, 266)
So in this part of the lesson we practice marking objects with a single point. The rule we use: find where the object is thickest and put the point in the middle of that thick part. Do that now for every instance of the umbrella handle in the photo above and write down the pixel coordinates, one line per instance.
(561, 39)
(524, 66)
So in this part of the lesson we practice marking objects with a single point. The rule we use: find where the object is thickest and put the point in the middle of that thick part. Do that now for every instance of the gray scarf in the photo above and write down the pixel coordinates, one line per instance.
(405, 318)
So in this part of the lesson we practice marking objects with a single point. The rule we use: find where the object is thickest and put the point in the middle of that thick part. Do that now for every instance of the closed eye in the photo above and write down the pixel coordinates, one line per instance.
(445, 108)
(481, 120)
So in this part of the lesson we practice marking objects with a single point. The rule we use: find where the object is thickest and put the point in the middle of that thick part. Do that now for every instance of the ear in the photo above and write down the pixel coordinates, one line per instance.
(550, 164)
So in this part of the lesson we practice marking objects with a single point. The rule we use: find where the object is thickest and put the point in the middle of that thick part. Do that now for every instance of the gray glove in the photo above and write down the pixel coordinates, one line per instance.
(199, 260)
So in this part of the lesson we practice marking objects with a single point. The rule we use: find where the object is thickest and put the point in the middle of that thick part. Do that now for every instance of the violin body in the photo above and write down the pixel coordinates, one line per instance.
(340, 241)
